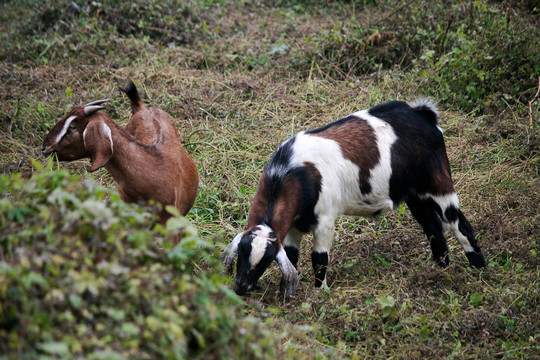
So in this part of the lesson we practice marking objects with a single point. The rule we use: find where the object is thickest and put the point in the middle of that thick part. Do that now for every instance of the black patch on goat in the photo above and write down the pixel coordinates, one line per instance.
(418, 167)
(310, 183)
(319, 260)
(475, 258)
(282, 155)
(425, 212)
(131, 91)
(292, 254)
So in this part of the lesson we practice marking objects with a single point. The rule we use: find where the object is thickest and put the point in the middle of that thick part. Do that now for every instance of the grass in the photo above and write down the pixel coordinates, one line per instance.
(240, 77)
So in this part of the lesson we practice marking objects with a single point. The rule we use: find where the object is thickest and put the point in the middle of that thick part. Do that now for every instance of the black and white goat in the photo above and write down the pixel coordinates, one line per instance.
(364, 164)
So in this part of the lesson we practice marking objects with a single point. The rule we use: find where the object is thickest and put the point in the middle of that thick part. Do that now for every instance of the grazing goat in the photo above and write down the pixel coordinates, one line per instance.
(146, 158)
(364, 164)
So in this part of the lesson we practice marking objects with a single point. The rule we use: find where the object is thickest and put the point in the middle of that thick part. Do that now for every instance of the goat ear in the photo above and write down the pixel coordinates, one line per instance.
(289, 280)
(230, 252)
(98, 143)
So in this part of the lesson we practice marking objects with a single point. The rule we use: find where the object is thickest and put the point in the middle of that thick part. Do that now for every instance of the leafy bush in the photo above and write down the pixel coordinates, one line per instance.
(69, 29)
(475, 54)
(83, 274)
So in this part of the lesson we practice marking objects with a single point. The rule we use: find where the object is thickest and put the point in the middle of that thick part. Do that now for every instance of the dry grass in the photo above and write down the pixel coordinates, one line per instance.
(232, 113)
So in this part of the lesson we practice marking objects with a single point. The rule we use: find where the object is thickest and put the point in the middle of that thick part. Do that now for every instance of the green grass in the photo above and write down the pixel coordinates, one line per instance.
(240, 77)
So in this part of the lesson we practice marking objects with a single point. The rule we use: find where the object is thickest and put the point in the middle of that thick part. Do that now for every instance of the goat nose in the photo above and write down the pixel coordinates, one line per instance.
(46, 150)
(241, 288)
(240, 291)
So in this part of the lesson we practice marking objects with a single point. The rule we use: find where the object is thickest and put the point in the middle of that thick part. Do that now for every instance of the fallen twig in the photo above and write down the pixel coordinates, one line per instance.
(530, 105)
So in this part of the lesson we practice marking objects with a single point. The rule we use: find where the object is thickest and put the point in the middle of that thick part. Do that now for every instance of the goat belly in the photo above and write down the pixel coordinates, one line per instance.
(368, 208)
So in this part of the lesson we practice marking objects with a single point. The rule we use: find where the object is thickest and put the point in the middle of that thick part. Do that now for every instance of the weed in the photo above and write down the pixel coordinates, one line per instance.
(240, 77)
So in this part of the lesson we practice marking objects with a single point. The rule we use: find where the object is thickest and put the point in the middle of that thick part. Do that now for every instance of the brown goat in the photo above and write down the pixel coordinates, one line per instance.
(146, 158)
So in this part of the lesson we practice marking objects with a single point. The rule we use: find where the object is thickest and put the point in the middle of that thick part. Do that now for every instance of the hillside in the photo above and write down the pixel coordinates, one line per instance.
(239, 77)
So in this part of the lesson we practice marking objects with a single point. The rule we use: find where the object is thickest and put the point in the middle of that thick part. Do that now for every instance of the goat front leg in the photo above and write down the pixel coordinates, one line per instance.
(289, 280)
(322, 243)
(228, 255)
(291, 245)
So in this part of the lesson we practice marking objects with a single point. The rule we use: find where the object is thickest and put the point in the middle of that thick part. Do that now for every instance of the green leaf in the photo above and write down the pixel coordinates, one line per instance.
(388, 305)
(75, 301)
(382, 260)
(33, 278)
(476, 299)
(53, 347)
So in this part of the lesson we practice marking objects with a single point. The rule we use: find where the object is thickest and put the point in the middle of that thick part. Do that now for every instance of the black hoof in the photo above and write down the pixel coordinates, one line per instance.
(476, 259)
(443, 261)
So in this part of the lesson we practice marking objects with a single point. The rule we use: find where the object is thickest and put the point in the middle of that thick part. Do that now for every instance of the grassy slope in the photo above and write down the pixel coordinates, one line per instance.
(242, 77)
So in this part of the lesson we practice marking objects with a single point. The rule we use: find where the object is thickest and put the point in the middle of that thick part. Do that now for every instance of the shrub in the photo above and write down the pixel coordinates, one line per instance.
(475, 55)
(83, 274)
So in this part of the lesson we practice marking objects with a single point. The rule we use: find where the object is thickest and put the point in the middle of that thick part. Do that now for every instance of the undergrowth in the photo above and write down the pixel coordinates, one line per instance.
(239, 77)
(83, 274)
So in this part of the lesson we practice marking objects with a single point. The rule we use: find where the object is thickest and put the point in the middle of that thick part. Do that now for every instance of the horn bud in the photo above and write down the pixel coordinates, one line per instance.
(97, 102)
(94, 106)
(89, 110)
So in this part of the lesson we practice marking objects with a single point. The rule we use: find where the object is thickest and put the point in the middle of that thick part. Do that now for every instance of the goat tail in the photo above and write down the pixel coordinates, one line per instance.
(131, 91)
(426, 108)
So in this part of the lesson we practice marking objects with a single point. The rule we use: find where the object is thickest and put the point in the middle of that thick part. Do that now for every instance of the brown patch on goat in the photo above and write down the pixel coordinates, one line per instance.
(286, 207)
(259, 204)
(161, 128)
(283, 209)
(442, 179)
(358, 144)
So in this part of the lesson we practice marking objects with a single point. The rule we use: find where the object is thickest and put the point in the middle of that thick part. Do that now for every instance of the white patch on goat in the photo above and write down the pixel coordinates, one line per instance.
(425, 102)
(278, 171)
(65, 128)
(293, 238)
(430, 104)
(444, 202)
(340, 189)
(338, 175)
(379, 176)
(465, 244)
(259, 243)
(324, 233)
(107, 130)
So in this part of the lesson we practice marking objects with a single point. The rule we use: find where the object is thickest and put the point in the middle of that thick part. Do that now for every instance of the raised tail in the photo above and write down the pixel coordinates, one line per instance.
(131, 91)
(426, 108)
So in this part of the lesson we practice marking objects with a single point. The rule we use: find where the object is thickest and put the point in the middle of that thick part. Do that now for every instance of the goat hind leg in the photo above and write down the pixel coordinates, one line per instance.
(425, 213)
(463, 231)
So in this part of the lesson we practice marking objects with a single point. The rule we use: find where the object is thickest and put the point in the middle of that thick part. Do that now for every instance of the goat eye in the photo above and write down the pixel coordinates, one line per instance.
(72, 126)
